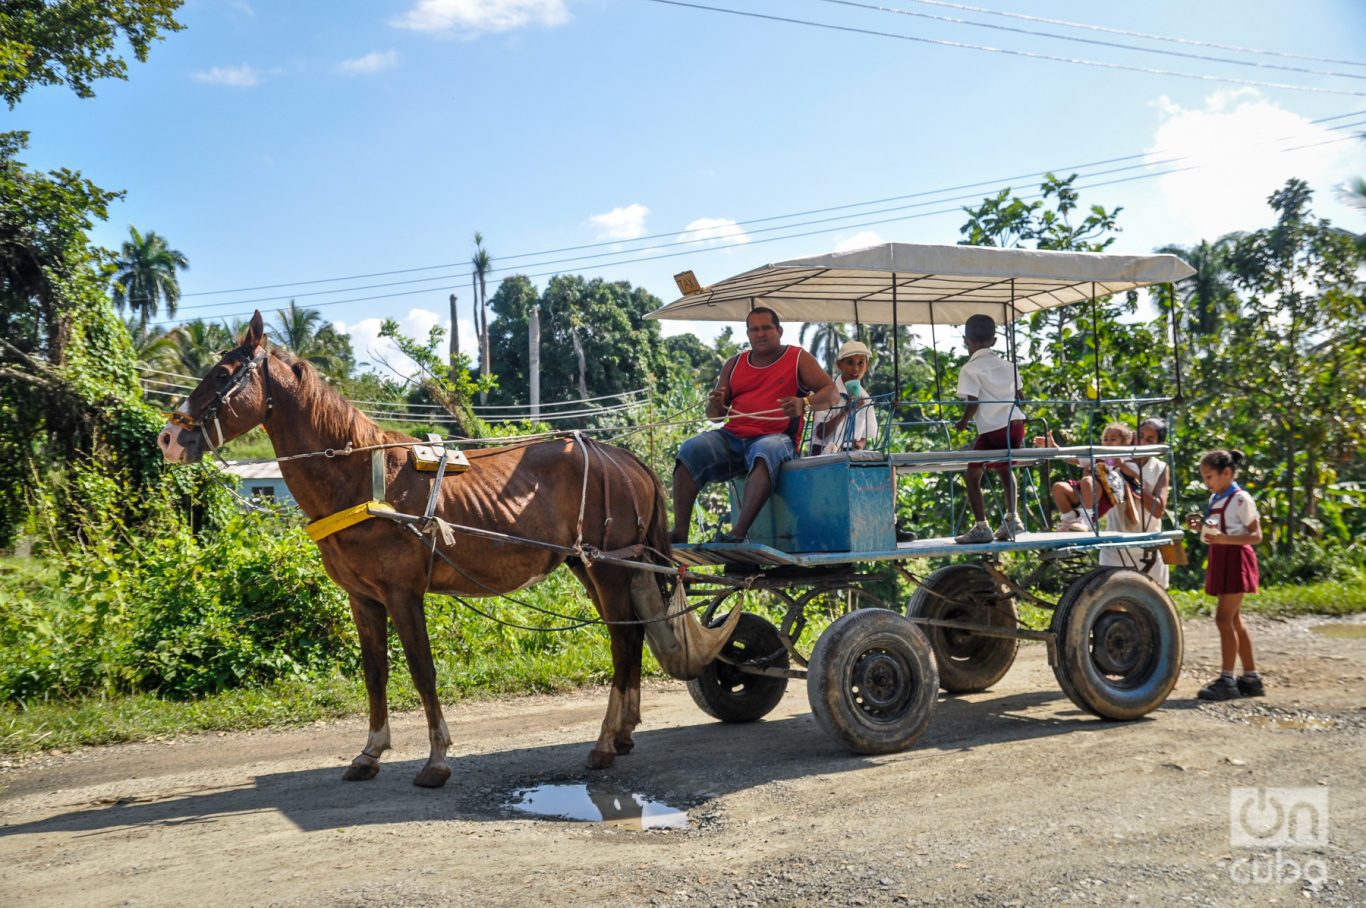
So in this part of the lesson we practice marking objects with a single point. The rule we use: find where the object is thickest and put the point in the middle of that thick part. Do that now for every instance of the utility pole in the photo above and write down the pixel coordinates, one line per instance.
(534, 359)
(455, 338)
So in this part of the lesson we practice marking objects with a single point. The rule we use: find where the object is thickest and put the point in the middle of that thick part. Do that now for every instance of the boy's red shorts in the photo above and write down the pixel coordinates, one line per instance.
(995, 440)
(1103, 504)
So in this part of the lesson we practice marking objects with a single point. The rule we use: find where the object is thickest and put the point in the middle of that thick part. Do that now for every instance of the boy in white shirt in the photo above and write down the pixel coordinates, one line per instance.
(832, 429)
(991, 386)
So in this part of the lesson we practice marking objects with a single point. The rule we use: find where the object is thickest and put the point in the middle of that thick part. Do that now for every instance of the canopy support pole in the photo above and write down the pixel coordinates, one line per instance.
(938, 382)
(1174, 323)
(896, 356)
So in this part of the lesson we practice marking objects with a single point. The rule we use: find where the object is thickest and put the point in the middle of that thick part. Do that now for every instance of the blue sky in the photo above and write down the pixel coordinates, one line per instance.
(287, 142)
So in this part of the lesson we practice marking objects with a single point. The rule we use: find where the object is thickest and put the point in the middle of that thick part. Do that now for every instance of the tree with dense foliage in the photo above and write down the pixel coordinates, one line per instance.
(75, 42)
(1286, 370)
(594, 339)
(68, 379)
(75, 435)
(145, 275)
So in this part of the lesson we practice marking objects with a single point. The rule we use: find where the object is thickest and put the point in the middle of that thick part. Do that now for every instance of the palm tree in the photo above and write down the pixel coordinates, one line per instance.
(1209, 294)
(482, 264)
(152, 346)
(824, 336)
(198, 345)
(1354, 192)
(304, 333)
(145, 274)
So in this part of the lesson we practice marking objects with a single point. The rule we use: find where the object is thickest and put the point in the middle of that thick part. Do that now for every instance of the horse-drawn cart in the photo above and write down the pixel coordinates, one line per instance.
(517, 511)
(828, 532)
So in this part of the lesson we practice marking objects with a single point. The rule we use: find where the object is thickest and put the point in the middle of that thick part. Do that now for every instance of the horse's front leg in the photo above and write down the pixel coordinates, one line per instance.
(411, 627)
(374, 656)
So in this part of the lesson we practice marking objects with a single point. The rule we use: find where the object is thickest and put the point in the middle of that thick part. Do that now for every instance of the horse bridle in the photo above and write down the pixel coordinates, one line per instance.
(225, 394)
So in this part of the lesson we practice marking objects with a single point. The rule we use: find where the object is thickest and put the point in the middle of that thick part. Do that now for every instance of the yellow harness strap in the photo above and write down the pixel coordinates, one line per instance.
(323, 527)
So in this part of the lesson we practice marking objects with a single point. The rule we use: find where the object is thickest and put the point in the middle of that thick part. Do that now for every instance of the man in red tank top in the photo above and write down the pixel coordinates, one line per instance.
(763, 395)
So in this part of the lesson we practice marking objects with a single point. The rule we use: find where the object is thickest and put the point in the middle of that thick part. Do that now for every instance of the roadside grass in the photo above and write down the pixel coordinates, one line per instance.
(476, 659)
(1346, 596)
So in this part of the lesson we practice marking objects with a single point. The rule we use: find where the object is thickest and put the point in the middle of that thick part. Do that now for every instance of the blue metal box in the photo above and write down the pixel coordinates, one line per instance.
(832, 503)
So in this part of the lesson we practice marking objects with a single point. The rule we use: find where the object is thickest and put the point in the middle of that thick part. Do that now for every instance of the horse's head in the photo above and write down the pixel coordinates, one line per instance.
(233, 399)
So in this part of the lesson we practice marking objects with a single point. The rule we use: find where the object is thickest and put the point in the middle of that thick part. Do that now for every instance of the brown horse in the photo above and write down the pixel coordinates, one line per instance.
(551, 491)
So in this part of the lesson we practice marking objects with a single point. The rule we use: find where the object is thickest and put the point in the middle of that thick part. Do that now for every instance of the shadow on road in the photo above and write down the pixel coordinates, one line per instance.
(685, 766)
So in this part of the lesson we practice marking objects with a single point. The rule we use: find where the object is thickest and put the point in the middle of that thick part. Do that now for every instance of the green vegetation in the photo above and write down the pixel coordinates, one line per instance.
(151, 606)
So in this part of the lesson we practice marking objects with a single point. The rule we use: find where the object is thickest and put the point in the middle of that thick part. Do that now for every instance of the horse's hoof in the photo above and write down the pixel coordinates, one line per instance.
(432, 776)
(600, 759)
(360, 772)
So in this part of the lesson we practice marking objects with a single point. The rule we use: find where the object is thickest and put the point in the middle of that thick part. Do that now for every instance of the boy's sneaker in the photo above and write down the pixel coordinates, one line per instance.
(975, 536)
(1220, 688)
(1251, 687)
(1010, 528)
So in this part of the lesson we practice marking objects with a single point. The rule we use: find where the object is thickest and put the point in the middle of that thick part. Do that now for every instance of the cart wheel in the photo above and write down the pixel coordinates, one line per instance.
(967, 662)
(872, 681)
(723, 691)
(1119, 644)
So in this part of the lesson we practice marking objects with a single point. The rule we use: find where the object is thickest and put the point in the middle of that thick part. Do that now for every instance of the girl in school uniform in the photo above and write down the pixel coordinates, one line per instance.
(1231, 527)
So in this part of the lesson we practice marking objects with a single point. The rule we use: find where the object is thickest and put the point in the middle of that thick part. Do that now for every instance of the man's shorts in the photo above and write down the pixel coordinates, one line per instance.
(995, 440)
(720, 455)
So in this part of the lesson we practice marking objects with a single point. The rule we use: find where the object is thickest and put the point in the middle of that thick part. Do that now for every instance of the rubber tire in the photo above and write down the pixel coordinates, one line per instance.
(967, 662)
(900, 654)
(1132, 675)
(724, 692)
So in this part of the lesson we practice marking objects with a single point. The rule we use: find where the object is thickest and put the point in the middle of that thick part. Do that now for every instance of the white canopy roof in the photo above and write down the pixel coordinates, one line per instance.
(932, 284)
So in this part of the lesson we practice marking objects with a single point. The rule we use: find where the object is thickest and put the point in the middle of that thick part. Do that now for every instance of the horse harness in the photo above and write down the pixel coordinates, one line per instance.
(226, 393)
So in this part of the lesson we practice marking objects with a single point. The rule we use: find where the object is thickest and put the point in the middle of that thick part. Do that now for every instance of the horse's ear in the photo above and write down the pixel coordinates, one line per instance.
(256, 332)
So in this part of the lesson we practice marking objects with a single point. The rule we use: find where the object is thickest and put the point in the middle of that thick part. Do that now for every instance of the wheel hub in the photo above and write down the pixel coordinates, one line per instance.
(880, 681)
(1118, 644)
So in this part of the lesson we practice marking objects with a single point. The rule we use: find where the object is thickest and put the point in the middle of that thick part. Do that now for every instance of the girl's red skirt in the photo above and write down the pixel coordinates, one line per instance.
(1232, 569)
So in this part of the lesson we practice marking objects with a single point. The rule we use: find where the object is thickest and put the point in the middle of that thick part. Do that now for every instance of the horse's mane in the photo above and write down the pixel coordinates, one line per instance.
(336, 416)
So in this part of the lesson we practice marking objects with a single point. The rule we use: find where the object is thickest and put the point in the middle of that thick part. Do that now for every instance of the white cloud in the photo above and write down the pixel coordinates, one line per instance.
(481, 15)
(621, 223)
(719, 231)
(1243, 147)
(243, 8)
(231, 76)
(376, 351)
(375, 62)
(861, 240)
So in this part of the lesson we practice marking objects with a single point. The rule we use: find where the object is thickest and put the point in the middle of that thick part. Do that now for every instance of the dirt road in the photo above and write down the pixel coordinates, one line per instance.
(1012, 797)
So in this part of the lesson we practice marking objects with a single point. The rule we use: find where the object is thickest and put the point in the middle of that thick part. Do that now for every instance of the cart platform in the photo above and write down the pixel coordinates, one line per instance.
(697, 554)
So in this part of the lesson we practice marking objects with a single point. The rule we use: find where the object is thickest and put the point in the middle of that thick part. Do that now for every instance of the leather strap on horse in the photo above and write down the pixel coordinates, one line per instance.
(323, 527)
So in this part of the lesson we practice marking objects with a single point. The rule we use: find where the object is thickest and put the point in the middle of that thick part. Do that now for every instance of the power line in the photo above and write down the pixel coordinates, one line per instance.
(643, 239)
(1133, 34)
(1094, 41)
(799, 235)
(579, 260)
(388, 408)
(1015, 53)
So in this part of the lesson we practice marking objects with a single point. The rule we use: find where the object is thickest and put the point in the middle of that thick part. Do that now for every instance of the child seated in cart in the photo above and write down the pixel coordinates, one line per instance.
(991, 386)
(834, 429)
(1112, 478)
